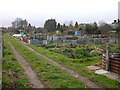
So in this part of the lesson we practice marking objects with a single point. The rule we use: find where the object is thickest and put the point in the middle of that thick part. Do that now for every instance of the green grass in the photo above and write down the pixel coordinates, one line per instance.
(79, 65)
(13, 74)
(50, 74)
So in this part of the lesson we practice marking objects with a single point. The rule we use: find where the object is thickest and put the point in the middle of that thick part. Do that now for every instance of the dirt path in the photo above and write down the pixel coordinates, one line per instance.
(71, 72)
(32, 76)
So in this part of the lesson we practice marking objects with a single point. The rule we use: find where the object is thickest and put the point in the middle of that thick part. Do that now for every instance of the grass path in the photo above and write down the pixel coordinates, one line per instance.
(71, 72)
(13, 75)
(28, 70)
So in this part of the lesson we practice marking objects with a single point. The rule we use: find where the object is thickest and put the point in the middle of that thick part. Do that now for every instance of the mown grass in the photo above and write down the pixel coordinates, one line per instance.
(79, 65)
(50, 74)
(12, 73)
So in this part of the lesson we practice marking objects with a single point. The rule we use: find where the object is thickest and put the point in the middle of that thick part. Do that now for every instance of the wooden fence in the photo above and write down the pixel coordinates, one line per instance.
(114, 64)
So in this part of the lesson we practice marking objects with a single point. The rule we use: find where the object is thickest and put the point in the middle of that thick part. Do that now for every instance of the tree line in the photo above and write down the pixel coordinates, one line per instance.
(51, 25)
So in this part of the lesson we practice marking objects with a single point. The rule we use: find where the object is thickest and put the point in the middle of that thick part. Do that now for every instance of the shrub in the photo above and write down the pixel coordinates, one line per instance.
(81, 53)
(95, 53)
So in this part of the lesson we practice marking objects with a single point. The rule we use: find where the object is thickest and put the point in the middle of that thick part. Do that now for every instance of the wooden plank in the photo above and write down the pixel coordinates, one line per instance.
(118, 59)
(117, 62)
(115, 71)
(115, 65)
(115, 68)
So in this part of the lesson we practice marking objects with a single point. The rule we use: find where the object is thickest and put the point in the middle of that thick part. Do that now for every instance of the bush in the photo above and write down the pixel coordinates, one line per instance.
(68, 52)
(81, 53)
(95, 53)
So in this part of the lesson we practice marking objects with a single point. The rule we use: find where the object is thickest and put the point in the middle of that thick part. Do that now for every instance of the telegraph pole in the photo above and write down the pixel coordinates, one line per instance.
(118, 24)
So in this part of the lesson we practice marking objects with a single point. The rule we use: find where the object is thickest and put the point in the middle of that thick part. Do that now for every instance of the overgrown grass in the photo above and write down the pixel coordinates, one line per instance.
(79, 65)
(51, 74)
(13, 74)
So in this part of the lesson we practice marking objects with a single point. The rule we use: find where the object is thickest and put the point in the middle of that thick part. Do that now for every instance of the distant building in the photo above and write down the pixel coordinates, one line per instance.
(73, 32)
(82, 24)
(116, 23)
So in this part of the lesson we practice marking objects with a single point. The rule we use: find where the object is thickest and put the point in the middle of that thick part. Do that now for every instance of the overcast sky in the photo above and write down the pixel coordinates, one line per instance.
(38, 11)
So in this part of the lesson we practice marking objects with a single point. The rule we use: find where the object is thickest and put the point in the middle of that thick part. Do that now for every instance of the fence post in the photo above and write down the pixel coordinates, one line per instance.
(1, 42)
(107, 58)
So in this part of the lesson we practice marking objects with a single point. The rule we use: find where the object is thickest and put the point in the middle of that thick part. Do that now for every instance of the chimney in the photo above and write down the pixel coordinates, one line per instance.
(118, 20)
(115, 21)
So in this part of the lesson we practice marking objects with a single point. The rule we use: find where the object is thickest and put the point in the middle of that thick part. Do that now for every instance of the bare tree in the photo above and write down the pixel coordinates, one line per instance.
(71, 24)
(102, 23)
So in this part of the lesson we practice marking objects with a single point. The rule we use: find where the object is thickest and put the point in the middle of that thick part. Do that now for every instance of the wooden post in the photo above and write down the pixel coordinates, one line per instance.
(107, 58)
(1, 43)
(1, 51)
(118, 39)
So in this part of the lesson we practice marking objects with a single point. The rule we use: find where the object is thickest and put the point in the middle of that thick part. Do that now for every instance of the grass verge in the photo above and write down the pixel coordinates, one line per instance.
(12, 73)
